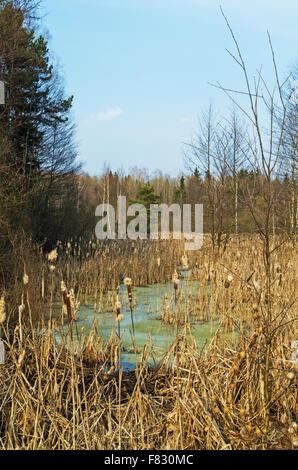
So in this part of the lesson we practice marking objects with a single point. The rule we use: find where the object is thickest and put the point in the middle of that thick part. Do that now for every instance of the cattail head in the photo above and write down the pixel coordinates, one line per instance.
(2, 310)
(25, 279)
(53, 255)
(63, 286)
(21, 309)
(277, 268)
(21, 358)
(118, 307)
(127, 281)
(74, 303)
(175, 280)
(184, 262)
(228, 281)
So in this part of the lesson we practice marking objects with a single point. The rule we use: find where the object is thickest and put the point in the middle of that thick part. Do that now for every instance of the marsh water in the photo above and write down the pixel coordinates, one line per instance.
(148, 305)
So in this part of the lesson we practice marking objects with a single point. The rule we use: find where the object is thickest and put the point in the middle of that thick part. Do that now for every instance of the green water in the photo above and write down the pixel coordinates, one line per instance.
(147, 320)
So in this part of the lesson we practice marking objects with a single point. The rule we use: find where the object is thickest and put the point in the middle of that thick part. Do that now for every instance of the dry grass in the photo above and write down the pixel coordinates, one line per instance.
(69, 396)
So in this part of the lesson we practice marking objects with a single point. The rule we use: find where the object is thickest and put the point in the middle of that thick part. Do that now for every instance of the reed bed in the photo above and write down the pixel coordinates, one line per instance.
(92, 268)
(71, 394)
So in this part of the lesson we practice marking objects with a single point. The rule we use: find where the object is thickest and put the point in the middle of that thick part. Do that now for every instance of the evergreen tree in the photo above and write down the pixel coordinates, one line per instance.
(37, 147)
(146, 196)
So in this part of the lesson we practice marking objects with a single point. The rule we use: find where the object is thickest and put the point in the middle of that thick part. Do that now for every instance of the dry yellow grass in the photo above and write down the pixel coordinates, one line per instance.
(54, 397)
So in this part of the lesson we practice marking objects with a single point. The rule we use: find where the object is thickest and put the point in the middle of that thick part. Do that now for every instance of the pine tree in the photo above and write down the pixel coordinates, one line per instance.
(37, 147)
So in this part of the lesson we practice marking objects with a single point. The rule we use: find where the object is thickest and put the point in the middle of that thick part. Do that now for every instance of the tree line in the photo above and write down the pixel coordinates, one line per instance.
(244, 174)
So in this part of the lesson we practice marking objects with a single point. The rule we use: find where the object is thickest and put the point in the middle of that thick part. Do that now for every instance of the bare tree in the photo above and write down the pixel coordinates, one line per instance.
(290, 148)
(200, 155)
(267, 114)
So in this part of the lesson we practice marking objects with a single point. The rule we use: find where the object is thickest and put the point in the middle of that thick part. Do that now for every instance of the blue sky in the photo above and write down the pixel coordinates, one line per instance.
(139, 69)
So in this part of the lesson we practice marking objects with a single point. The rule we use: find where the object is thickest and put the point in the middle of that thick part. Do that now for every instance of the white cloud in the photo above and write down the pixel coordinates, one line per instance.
(109, 114)
(186, 120)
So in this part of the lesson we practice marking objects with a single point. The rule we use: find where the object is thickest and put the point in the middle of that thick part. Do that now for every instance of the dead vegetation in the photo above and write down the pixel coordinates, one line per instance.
(69, 395)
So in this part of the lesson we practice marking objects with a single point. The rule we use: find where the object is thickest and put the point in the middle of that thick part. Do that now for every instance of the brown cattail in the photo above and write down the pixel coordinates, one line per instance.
(228, 281)
(175, 280)
(66, 301)
(128, 283)
(2, 310)
(118, 307)
(53, 256)
(184, 262)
